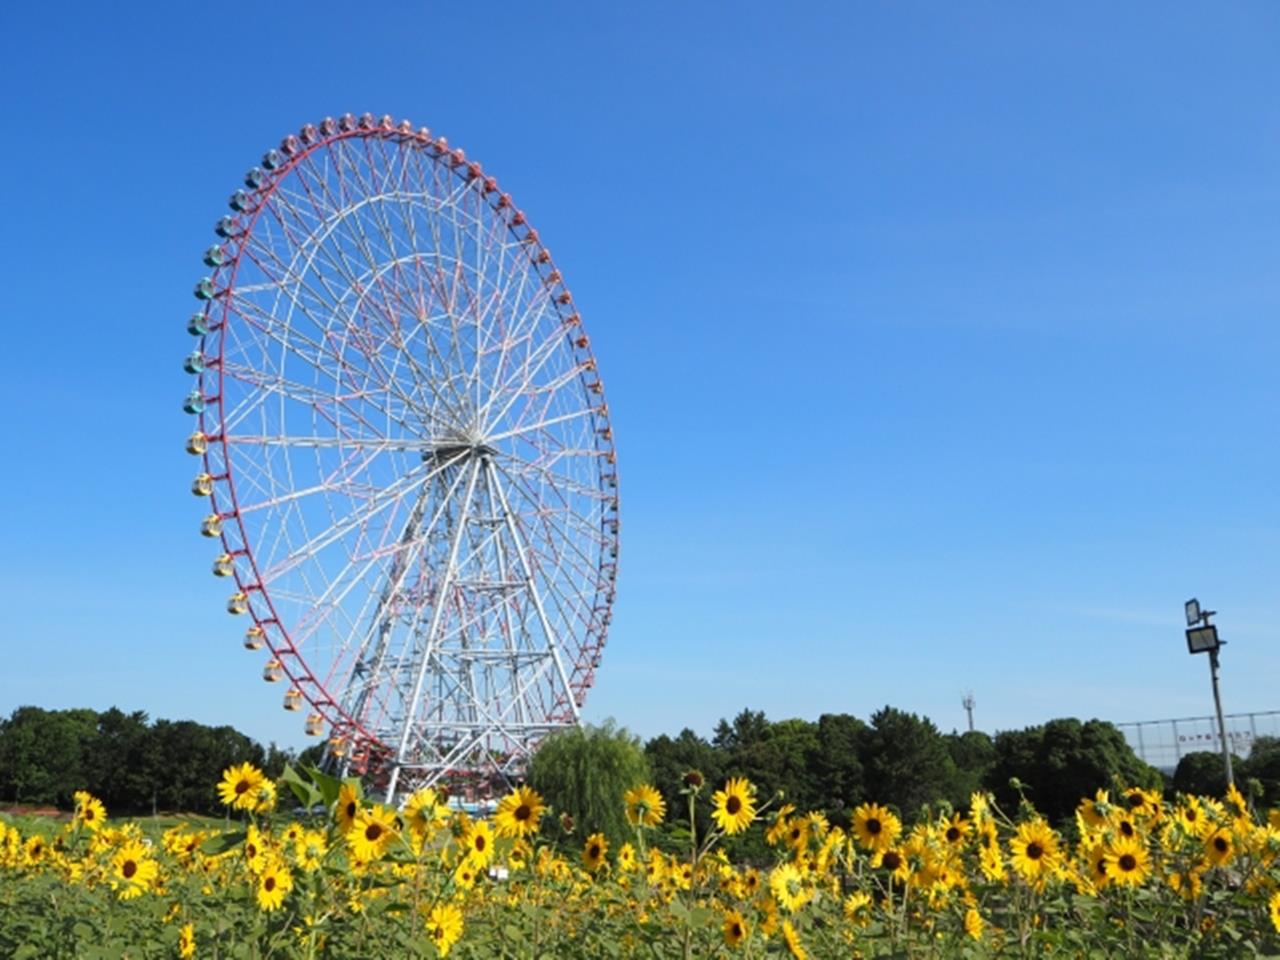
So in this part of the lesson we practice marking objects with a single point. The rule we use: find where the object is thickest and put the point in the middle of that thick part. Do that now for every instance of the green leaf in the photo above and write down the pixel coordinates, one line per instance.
(327, 785)
(307, 793)
(222, 843)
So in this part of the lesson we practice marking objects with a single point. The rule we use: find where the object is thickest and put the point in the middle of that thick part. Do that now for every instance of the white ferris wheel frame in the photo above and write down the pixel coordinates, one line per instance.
(407, 453)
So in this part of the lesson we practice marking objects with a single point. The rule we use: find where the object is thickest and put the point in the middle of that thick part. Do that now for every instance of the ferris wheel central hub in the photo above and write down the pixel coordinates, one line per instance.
(459, 452)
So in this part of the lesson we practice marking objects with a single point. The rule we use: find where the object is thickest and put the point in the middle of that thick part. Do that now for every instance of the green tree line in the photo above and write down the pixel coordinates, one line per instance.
(134, 765)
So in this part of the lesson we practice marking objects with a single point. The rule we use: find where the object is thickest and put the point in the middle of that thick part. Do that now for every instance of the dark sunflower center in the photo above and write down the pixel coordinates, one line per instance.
(736, 930)
(1126, 828)
(250, 850)
(953, 834)
(241, 787)
(128, 869)
(88, 814)
(523, 812)
(1220, 844)
(1034, 851)
(733, 805)
(795, 833)
(594, 852)
(269, 884)
(873, 825)
(480, 842)
(351, 810)
(1191, 815)
(1102, 868)
(372, 832)
(891, 861)
(1128, 862)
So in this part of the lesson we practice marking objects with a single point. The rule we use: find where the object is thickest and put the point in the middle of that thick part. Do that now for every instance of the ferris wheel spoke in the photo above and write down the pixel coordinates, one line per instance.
(554, 640)
(373, 506)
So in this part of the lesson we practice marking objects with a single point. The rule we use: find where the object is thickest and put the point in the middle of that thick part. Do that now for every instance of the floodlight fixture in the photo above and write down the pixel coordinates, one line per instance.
(1193, 612)
(1203, 639)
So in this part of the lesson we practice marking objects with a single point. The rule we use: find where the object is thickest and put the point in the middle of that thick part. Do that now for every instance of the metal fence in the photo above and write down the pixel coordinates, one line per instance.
(1162, 743)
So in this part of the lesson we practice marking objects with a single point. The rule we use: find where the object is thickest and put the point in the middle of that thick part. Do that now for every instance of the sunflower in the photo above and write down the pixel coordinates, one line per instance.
(781, 820)
(274, 883)
(348, 806)
(518, 813)
(309, 849)
(735, 928)
(265, 800)
(626, 858)
(796, 835)
(1236, 802)
(1219, 847)
(465, 875)
(973, 923)
(735, 805)
(593, 851)
(1125, 824)
(1187, 883)
(793, 941)
(240, 785)
(1128, 862)
(444, 927)
(89, 811)
(372, 832)
(894, 860)
(875, 827)
(1144, 803)
(33, 850)
(1190, 815)
(1092, 814)
(1273, 908)
(477, 841)
(1034, 852)
(656, 869)
(645, 806)
(1097, 871)
(187, 941)
(955, 830)
(979, 807)
(132, 870)
(255, 849)
(857, 909)
(424, 812)
(787, 885)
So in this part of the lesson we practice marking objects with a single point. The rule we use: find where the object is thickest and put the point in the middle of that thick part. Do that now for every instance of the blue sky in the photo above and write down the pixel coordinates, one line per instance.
(939, 339)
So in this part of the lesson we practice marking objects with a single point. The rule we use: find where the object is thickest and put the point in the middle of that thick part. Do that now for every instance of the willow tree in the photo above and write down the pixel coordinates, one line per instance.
(584, 772)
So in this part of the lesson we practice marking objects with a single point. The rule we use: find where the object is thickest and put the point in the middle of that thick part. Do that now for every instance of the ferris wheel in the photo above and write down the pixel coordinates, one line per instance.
(406, 451)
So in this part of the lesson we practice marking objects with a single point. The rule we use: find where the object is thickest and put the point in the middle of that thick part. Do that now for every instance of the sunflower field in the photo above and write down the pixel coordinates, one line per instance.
(1134, 876)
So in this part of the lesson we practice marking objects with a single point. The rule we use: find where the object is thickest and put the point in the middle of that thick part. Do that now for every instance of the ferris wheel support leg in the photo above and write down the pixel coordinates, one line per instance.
(553, 641)
(411, 707)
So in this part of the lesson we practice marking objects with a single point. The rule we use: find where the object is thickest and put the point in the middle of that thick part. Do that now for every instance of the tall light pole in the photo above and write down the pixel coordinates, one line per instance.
(968, 703)
(1202, 637)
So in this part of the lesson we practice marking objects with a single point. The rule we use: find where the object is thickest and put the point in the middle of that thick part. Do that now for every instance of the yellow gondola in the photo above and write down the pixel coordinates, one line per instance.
(197, 444)
(202, 485)
(238, 603)
(223, 566)
(211, 526)
(273, 672)
(293, 700)
(254, 638)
